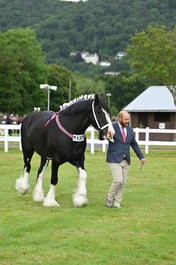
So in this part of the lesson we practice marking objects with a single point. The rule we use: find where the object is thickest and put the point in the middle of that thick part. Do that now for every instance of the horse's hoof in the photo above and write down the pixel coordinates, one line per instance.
(20, 188)
(50, 203)
(79, 200)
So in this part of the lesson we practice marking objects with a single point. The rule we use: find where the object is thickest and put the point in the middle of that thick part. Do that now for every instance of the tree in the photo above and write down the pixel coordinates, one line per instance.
(123, 88)
(89, 85)
(22, 69)
(152, 54)
(99, 26)
(66, 87)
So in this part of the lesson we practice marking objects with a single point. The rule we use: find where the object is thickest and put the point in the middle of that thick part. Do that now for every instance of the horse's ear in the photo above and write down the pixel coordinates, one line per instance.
(98, 98)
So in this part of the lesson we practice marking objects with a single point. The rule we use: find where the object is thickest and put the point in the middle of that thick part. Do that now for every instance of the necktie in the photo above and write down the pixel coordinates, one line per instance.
(123, 134)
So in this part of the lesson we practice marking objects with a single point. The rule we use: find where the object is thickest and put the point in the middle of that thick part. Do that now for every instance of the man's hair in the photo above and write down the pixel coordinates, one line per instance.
(121, 113)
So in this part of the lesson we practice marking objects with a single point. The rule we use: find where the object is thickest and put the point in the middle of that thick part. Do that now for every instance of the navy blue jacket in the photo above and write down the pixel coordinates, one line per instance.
(117, 150)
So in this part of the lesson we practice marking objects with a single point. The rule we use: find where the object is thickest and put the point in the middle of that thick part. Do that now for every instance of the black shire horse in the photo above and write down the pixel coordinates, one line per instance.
(60, 137)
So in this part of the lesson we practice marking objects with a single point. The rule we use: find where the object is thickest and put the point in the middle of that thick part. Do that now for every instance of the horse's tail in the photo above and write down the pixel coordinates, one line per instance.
(25, 127)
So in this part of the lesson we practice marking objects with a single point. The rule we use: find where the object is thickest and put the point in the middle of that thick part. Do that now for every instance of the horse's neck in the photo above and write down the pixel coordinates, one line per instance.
(75, 123)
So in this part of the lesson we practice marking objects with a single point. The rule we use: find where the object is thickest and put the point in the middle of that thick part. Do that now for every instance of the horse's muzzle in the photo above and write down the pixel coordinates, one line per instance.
(107, 134)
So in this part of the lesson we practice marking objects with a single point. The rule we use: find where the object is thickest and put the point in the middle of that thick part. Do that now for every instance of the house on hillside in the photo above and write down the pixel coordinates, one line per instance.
(120, 55)
(154, 108)
(89, 58)
(85, 56)
(105, 63)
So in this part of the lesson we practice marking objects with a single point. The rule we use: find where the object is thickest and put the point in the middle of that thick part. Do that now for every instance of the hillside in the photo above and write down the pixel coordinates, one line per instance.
(101, 26)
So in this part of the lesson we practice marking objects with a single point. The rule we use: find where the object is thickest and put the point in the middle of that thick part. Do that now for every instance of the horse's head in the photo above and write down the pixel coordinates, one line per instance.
(101, 118)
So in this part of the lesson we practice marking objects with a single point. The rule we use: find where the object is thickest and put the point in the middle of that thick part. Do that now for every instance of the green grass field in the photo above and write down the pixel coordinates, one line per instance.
(143, 231)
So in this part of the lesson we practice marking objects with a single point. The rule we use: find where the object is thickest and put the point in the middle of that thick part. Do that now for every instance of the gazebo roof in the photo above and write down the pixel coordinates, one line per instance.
(153, 99)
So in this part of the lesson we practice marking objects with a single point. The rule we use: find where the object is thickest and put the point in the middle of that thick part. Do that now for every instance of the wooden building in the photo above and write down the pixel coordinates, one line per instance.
(154, 108)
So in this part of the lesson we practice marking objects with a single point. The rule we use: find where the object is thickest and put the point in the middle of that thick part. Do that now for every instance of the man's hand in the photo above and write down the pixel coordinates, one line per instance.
(142, 161)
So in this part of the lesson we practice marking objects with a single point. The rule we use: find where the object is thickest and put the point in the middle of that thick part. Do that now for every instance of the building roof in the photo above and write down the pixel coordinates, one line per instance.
(153, 99)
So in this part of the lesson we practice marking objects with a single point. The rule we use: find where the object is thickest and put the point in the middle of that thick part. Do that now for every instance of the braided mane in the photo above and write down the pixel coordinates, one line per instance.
(73, 103)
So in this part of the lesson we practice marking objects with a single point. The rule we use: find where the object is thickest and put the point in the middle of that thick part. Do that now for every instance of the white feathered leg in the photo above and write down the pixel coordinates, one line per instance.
(22, 183)
(80, 196)
(50, 201)
(38, 193)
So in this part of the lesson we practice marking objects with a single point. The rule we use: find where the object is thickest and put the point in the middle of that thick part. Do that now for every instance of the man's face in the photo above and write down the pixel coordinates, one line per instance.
(124, 120)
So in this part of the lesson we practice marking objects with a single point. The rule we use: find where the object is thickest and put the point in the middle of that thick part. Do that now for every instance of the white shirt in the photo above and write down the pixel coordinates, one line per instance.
(125, 129)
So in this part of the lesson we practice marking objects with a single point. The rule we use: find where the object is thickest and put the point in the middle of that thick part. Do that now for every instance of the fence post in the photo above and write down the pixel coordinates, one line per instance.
(137, 134)
(104, 146)
(6, 143)
(147, 140)
(92, 137)
(20, 146)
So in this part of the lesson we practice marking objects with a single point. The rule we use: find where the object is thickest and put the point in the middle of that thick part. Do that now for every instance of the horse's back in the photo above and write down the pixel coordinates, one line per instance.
(35, 118)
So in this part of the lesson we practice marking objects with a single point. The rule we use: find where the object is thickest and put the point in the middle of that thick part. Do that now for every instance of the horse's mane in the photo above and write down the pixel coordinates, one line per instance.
(76, 104)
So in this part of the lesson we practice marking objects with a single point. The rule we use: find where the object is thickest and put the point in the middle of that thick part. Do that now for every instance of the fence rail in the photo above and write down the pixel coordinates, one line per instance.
(92, 140)
(7, 135)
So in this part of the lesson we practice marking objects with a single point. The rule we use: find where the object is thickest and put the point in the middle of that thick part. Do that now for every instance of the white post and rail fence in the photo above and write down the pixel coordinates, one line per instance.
(93, 143)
